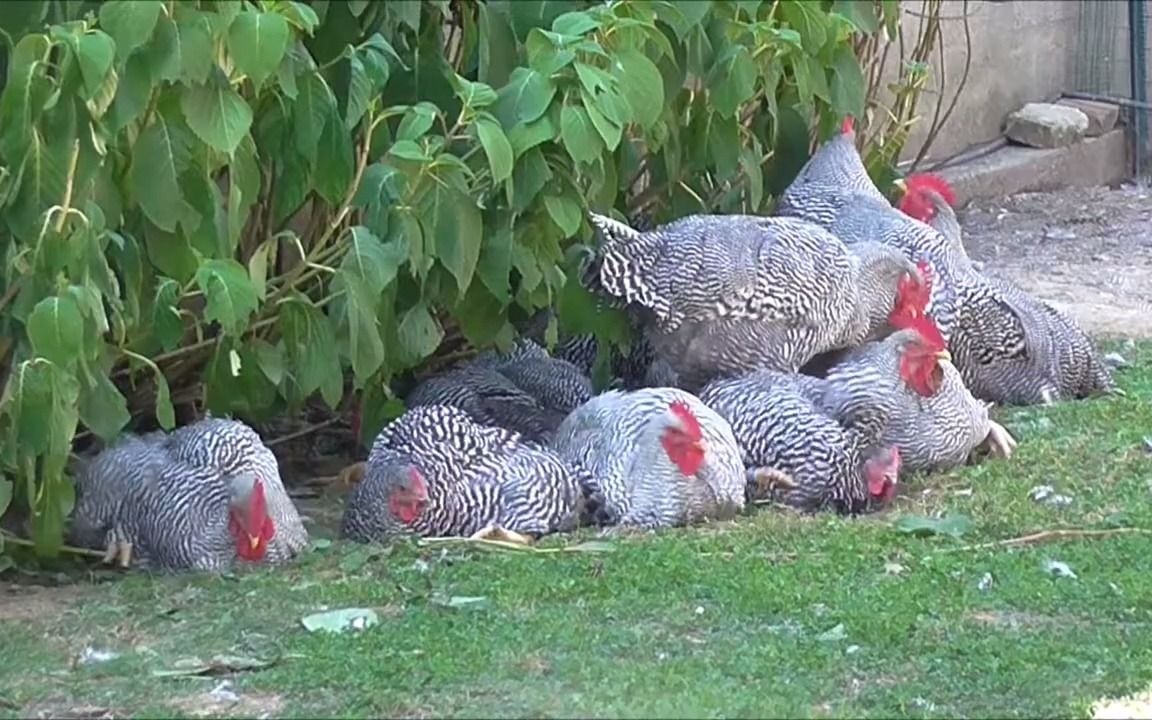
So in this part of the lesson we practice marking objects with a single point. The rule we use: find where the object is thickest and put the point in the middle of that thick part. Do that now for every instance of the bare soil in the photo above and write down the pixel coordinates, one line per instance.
(1085, 251)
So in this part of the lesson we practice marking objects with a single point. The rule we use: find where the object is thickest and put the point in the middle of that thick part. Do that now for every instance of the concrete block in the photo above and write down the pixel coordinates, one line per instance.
(1045, 125)
(1102, 117)
(1013, 169)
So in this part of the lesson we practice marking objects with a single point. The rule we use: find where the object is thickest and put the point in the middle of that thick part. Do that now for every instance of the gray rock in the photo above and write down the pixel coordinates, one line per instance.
(1044, 125)
(1102, 117)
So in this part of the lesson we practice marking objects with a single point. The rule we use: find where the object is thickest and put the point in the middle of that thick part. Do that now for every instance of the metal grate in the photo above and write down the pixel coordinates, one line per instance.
(1111, 63)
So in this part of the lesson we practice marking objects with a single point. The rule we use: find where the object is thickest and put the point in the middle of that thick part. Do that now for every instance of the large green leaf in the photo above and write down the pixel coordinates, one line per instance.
(371, 261)
(231, 299)
(56, 330)
(420, 334)
(496, 146)
(641, 83)
(216, 113)
(733, 81)
(365, 345)
(314, 105)
(95, 52)
(457, 227)
(130, 22)
(257, 42)
(167, 323)
(103, 408)
(848, 84)
(310, 346)
(580, 138)
(160, 156)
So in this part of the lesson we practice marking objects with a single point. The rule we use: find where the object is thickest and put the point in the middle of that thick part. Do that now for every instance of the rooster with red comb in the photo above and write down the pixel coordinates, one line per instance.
(1011, 348)
(931, 416)
(656, 457)
(202, 498)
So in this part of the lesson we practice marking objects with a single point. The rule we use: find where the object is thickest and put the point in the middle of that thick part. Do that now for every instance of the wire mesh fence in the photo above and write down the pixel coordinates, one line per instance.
(1111, 63)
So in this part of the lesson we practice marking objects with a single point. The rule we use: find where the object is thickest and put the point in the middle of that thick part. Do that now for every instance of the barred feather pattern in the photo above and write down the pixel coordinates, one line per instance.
(526, 390)
(1012, 347)
(833, 190)
(615, 439)
(104, 481)
(721, 295)
(640, 368)
(169, 495)
(935, 433)
(476, 476)
(230, 447)
(780, 424)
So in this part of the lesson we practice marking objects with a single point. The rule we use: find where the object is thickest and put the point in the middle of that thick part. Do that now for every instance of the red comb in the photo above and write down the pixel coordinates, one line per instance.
(916, 204)
(257, 504)
(848, 127)
(928, 330)
(691, 425)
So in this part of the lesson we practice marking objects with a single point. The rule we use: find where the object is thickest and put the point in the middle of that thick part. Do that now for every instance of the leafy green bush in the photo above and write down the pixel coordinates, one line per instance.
(237, 203)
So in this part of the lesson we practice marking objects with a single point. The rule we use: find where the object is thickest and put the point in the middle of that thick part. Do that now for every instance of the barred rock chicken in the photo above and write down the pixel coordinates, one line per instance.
(525, 390)
(653, 458)
(796, 449)
(1028, 352)
(834, 191)
(199, 498)
(722, 295)
(931, 415)
(639, 368)
(435, 471)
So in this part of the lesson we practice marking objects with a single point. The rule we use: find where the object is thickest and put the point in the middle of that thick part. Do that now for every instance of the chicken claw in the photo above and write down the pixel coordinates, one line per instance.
(769, 480)
(493, 532)
(1000, 441)
(352, 474)
(119, 551)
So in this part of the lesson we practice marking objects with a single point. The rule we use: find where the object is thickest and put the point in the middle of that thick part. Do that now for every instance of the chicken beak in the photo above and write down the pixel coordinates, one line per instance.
(900, 185)
(253, 541)
(944, 355)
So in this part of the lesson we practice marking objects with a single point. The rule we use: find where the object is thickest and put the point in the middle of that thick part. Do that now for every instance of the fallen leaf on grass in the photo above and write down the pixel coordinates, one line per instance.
(359, 557)
(953, 525)
(459, 601)
(219, 665)
(321, 544)
(838, 632)
(339, 621)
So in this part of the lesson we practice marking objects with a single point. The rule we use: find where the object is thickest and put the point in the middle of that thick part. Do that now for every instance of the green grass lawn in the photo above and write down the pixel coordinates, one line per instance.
(769, 615)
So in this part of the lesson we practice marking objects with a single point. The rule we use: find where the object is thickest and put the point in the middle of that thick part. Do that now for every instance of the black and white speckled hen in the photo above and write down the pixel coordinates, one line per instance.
(525, 390)
(723, 294)
(799, 450)
(435, 471)
(200, 498)
(931, 416)
(1019, 350)
(655, 457)
(834, 191)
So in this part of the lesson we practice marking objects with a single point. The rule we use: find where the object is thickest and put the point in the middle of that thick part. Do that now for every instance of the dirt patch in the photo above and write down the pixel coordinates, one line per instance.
(1132, 706)
(34, 602)
(224, 702)
(1010, 620)
(1086, 251)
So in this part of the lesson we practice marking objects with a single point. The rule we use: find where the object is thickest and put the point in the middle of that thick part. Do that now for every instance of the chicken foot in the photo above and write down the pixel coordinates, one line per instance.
(494, 532)
(119, 551)
(1000, 442)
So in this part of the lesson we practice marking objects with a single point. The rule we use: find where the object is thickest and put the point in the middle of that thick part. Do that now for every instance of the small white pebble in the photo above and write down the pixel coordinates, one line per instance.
(852, 649)
(1059, 569)
(699, 609)
(985, 583)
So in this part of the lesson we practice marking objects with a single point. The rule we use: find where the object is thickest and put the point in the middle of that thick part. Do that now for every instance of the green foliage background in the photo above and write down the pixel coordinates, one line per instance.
(249, 203)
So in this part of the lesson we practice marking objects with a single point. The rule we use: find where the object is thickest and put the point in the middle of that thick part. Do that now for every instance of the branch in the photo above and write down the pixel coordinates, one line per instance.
(1050, 535)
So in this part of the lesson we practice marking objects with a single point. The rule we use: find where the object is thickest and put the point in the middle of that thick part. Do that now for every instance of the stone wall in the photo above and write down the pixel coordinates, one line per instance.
(1021, 51)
